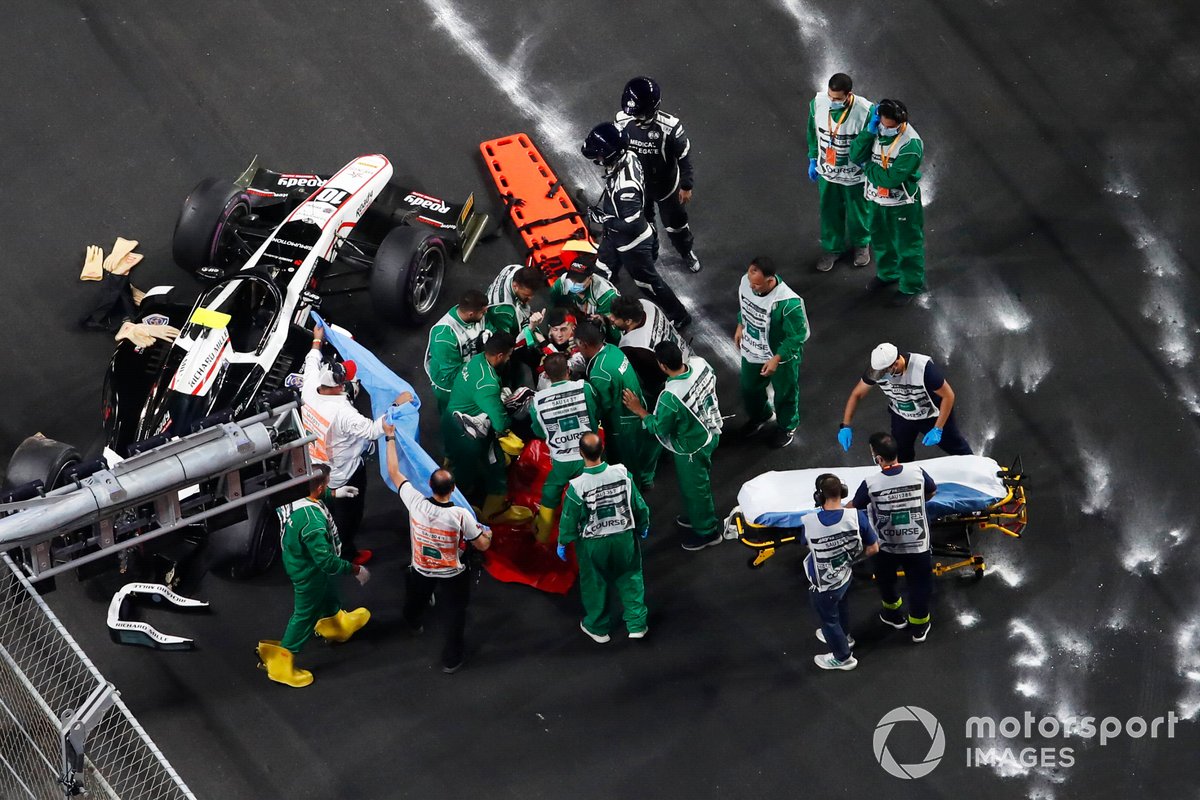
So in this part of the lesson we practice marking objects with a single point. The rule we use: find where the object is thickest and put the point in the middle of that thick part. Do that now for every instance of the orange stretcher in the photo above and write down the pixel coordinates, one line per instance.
(537, 204)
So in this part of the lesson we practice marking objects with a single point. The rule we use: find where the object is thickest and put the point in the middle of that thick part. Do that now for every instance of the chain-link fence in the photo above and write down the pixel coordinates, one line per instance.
(64, 730)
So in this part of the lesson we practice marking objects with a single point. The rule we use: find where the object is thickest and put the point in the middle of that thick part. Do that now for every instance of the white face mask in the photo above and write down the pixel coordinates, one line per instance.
(837, 105)
(888, 131)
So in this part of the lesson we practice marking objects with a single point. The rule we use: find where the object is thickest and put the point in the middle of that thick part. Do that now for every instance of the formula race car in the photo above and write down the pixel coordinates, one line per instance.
(270, 245)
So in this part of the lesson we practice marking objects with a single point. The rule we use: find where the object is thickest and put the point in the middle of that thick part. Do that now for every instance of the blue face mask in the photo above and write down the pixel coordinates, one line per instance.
(836, 105)
(888, 131)
(575, 288)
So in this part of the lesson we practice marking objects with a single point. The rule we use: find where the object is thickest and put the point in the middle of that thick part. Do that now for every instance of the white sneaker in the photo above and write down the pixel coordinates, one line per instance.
(821, 638)
(693, 262)
(827, 661)
(599, 639)
(477, 427)
(639, 634)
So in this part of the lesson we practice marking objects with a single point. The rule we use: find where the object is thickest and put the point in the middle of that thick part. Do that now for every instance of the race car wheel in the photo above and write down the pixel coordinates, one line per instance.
(406, 280)
(253, 542)
(40, 459)
(203, 243)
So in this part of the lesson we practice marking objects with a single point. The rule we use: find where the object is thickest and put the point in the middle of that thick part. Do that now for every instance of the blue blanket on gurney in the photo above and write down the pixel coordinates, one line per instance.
(965, 484)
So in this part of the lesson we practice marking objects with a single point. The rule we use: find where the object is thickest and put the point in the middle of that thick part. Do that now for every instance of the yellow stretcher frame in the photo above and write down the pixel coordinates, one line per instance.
(1008, 516)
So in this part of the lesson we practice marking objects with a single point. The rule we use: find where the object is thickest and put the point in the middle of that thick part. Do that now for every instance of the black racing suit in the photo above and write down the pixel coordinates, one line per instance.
(663, 150)
(629, 239)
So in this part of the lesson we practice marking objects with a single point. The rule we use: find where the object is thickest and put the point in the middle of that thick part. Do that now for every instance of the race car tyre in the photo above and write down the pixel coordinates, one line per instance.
(406, 280)
(248, 548)
(201, 244)
(41, 459)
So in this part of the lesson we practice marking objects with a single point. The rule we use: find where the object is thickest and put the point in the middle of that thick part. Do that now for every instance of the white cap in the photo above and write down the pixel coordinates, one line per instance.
(884, 356)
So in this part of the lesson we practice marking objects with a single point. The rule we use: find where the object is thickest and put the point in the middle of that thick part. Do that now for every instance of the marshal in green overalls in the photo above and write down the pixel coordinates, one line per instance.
(451, 342)
(476, 463)
(626, 441)
(561, 414)
(311, 555)
(603, 513)
(773, 324)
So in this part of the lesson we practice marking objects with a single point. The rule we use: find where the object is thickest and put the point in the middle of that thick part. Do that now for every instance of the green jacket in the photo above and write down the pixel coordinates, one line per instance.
(814, 150)
(477, 390)
(789, 328)
(903, 169)
(444, 357)
(673, 422)
(575, 512)
(610, 374)
(310, 544)
(504, 318)
(595, 299)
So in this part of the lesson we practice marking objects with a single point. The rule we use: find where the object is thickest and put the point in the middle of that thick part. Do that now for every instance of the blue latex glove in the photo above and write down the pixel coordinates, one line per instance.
(873, 122)
(934, 437)
(845, 437)
(812, 170)
(645, 533)
(562, 552)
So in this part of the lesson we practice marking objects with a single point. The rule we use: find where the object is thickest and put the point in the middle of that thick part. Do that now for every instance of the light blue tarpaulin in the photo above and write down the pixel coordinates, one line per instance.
(383, 386)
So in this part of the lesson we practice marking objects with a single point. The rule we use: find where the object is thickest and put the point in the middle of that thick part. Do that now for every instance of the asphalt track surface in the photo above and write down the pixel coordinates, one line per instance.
(1060, 222)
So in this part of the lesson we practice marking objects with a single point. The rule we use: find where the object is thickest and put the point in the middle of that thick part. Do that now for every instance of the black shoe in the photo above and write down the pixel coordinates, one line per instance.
(920, 632)
(894, 619)
(781, 437)
(878, 284)
(900, 300)
(450, 670)
(683, 522)
(682, 322)
(692, 261)
(692, 542)
(752, 428)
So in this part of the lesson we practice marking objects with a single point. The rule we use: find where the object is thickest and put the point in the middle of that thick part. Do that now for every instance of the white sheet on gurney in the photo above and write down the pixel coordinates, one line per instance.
(779, 499)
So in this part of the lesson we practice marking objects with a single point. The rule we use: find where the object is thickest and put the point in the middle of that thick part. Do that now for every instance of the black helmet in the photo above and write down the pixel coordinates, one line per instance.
(604, 144)
(641, 97)
(893, 109)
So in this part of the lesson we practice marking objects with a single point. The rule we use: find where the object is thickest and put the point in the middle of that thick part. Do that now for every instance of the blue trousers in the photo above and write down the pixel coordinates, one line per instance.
(906, 431)
(833, 612)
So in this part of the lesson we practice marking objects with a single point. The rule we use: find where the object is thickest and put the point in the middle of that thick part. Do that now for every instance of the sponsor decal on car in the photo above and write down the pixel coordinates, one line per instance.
(425, 201)
(290, 180)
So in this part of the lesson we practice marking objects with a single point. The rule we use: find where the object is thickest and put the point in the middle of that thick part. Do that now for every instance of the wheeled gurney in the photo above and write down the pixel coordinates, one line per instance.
(974, 494)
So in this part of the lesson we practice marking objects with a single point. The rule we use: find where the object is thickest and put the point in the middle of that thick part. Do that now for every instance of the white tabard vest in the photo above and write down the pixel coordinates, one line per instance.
(756, 319)
(285, 511)
(697, 392)
(893, 146)
(831, 549)
(898, 510)
(562, 410)
(500, 293)
(843, 170)
(467, 335)
(906, 392)
(657, 328)
(608, 497)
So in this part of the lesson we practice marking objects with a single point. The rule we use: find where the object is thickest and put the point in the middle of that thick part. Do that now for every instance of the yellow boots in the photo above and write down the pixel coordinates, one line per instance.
(277, 661)
(342, 625)
(543, 526)
(498, 511)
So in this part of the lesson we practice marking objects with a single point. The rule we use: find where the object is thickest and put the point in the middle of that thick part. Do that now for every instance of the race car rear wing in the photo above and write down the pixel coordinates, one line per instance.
(207, 477)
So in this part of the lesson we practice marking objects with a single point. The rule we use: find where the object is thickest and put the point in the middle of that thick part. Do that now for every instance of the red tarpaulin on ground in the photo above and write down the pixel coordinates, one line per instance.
(515, 556)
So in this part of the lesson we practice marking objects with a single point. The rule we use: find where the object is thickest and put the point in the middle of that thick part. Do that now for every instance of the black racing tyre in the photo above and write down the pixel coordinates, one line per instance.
(406, 280)
(248, 548)
(40, 459)
(201, 243)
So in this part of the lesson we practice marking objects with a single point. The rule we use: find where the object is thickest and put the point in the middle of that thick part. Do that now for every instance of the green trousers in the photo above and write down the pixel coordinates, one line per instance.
(629, 444)
(471, 461)
(786, 381)
(695, 484)
(316, 598)
(611, 562)
(845, 217)
(443, 399)
(898, 238)
(556, 482)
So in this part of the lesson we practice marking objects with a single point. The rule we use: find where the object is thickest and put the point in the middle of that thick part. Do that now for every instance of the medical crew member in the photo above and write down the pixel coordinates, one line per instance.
(835, 537)
(439, 532)
(835, 117)
(771, 331)
(662, 147)
(891, 152)
(509, 299)
(687, 421)
(342, 435)
(895, 499)
(311, 555)
(610, 374)
(581, 290)
(561, 414)
(628, 238)
(603, 512)
(476, 454)
(453, 339)
(643, 326)
(920, 401)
